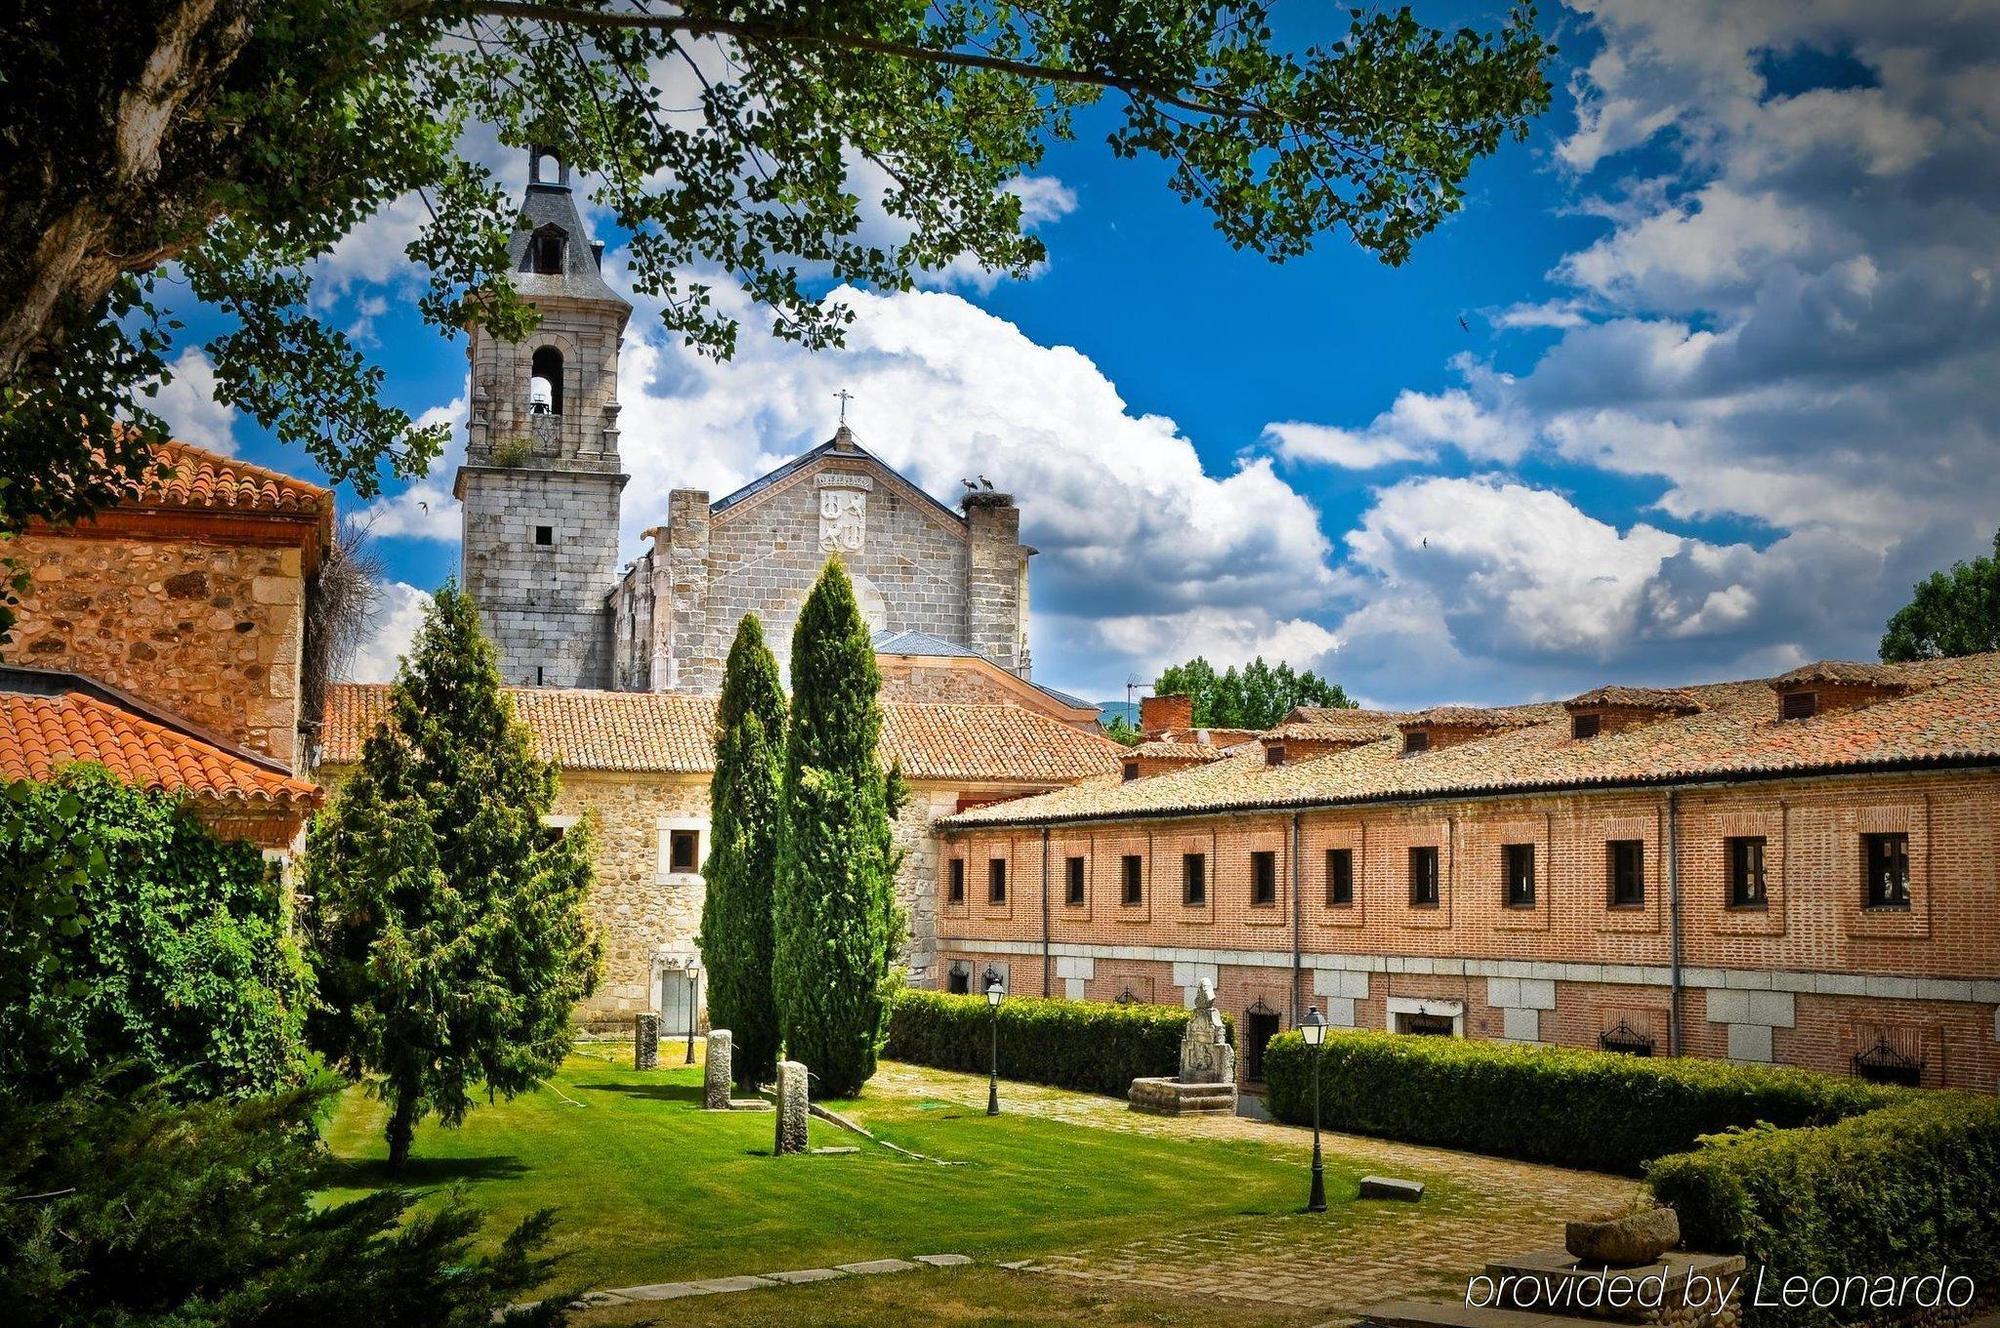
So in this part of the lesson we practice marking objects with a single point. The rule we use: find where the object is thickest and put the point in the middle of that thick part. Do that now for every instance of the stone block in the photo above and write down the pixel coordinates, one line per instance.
(1340, 1011)
(1518, 1025)
(1503, 993)
(944, 1260)
(1747, 979)
(1771, 1007)
(1391, 1187)
(1728, 1007)
(792, 1109)
(800, 1276)
(871, 1266)
(1750, 1042)
(1538, 993)
(646, 1041)
(1626, 1240)
(716, 1072)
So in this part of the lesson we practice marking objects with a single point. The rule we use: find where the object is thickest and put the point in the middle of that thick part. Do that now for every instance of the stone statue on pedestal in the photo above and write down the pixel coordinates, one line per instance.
(1206, 1056)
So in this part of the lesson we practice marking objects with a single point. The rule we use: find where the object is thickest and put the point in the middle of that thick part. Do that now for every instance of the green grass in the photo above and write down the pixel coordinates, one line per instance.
(648, 1188)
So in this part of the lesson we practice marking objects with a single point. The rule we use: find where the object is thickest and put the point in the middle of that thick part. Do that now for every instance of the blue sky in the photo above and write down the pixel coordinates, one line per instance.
(1724, 386)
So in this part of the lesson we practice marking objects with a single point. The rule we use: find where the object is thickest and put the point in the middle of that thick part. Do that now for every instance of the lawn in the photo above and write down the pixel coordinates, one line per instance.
(649, 1188)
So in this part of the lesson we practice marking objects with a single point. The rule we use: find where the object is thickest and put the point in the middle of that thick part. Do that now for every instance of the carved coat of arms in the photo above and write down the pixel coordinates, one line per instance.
(842, 520)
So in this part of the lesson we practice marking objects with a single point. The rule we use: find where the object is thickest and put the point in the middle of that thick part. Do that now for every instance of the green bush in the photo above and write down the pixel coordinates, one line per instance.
(1895, 1192)
(1085, 1045)
(1593, 1109)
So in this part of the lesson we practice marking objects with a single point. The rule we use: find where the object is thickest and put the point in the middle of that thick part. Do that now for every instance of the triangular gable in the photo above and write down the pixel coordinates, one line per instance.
(842, 446)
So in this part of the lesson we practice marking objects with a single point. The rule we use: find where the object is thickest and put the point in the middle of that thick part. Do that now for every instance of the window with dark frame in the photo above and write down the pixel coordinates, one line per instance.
(1798, 705)
(1263, 879)
(1424, 876)
(1339, 877)
(545, 534)
(959, 983)
(955, 889)
(1746, 871)
(1132, 871)
(996, 881)
(1883, 1064)
(1885, 863)
(1625, 869)
(1131, 771)
(1418, 741)
(1194, 879)
(1073, 882)
(1274, 754)
(1517, 867)
(683, 852)
(1585, 726)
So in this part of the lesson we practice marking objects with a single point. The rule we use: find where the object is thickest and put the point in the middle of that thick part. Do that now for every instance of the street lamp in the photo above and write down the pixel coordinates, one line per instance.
(694, 1008)
(1313, 1029)
(993, 995)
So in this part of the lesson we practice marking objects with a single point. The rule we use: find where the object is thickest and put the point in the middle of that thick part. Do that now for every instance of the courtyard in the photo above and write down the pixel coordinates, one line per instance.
(1099, 1212)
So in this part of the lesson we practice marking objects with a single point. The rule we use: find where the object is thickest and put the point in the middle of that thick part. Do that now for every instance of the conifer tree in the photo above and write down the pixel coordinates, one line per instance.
(836, 917)
(447, 925)
(736, 917)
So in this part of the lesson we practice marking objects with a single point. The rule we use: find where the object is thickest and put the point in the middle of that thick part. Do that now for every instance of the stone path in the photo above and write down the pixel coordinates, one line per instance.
(1338, 1264)
(716, 1286)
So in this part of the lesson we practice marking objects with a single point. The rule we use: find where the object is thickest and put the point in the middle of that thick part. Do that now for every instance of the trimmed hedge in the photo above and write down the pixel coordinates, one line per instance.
(1598, 1110)
(1896, 1192)
(1085, 1045)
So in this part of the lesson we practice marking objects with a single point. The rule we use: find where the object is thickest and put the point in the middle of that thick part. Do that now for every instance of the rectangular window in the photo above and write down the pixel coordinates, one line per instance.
(1625, 872)
(1886, 861)
(1133, 870)
(955, 891)
(1073, 882)
(1194, 879)
(1746, 872)
(959, 983)
(1274, 754)
(996, 881)
(1264, 879)
(1339, 877)
(1418, 741)
(683, 852)
(1517, 867)
(1131, 771)
(1585, 726)
(545, 534)
(1798, 705)
(1424, 876)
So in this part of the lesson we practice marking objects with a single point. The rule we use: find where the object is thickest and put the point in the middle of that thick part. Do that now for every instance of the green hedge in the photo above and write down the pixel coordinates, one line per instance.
(1897, 1192)
(1593, 1109)
(1085, 1045)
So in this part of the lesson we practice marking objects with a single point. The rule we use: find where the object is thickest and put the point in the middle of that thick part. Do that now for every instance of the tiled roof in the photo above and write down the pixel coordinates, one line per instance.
(921, 643)
(1844, 672)
(39, 735)
(1950, 717)
(186, 476)
(1672, 700)
(673, 733)
(1471, 717)
(1312, 723)
(1177, 751)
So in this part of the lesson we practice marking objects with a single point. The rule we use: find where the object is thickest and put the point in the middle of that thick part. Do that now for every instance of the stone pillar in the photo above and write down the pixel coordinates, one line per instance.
(993, 577)
(715, 1081)
(683, 619)
(791, 1109)
(646, 1041)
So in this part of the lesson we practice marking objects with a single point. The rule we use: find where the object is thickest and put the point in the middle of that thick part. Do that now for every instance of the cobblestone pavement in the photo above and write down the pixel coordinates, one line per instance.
(1337, 1265)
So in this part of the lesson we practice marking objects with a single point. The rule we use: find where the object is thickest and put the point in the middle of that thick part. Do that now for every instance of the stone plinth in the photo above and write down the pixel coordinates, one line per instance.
(715, 1076)
(791, 1135)
(1679, 1289)
(646, 1041)
(1172, 1097)
(1391, 1187)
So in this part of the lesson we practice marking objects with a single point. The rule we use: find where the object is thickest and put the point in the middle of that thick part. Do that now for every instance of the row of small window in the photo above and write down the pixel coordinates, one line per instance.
(1885, 875)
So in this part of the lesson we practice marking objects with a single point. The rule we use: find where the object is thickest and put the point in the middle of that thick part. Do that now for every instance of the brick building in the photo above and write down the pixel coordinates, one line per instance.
(638, 764)
(1799, 870)
(164, 637)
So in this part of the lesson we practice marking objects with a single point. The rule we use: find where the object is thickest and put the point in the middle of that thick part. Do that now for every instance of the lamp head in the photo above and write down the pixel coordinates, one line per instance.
(1313, 1027)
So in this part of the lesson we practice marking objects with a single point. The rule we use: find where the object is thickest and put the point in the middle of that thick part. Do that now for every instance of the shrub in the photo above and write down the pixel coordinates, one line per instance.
(1593, 1109)
(1899, 1191)
(1085, 1045)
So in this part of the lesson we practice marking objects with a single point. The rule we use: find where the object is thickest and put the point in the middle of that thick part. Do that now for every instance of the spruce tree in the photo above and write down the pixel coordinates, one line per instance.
(447, 924)
(836, 916)
(736, 923)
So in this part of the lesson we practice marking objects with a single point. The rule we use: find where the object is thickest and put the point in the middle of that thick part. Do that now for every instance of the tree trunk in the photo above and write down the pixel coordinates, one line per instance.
(402, 1129)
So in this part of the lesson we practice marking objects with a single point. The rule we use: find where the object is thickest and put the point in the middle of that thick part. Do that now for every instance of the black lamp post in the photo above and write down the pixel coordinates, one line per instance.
(694, 991)
(993, 995)
(1313, 1029)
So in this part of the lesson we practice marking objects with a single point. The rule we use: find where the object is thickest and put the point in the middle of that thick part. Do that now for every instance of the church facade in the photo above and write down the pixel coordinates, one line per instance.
(542, 490)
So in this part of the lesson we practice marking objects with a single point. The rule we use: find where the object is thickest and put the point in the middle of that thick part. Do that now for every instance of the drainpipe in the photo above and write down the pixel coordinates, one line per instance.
(1047, 981)
(1297, 914)
(1673, 923)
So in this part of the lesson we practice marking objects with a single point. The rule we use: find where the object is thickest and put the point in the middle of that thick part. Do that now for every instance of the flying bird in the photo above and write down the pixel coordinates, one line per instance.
(1463, 326)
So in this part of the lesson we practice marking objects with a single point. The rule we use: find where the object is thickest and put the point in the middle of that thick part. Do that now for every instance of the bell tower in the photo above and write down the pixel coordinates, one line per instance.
(541, 480)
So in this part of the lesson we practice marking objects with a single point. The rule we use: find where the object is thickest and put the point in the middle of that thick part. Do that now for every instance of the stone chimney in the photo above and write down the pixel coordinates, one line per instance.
(993, 607)
(1161, 714)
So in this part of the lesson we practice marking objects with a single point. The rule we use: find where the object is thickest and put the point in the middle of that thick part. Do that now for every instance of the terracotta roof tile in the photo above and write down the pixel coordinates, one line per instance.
(1492, 718)
(187, 476)
(1177, 751)
(1845, 672)
(1950, 716)
(673, 733)
(1669, 700)
(39, 735)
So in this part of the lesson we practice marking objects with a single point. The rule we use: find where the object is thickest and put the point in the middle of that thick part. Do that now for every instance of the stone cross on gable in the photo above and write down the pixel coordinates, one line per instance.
(845, 397)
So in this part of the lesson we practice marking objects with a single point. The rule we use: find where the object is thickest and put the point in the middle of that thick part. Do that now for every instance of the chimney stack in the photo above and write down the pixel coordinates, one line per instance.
(1158, 714)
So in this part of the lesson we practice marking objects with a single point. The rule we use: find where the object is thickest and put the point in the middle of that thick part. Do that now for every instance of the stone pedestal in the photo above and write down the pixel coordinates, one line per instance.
(791, 1137)
(646, 1041)
(1172, 1097)
(715, 1078)
(1207, 1082)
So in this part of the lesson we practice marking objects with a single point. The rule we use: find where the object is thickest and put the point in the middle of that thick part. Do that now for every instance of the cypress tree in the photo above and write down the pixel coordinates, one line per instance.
(447, 925)
(836, 916)
(736, 922)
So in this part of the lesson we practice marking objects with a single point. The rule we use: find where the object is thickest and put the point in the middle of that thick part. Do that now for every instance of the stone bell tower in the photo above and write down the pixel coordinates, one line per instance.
(541, 479)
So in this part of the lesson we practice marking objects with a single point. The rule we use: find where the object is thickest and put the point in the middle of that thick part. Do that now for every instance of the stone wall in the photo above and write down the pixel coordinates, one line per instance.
(208, 630)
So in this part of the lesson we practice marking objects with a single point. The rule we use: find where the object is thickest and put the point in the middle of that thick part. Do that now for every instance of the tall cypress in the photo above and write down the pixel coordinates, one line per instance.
(736, 923)
(836, 915)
